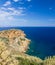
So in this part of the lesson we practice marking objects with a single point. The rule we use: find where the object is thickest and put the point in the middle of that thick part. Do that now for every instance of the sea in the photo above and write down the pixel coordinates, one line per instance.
(42, 40)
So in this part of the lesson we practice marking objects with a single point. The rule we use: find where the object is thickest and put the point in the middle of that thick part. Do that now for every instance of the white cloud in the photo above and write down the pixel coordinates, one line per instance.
(7, 3)
(29, 0)
(12, 11)
(7, 19)
(16, 0)
(8, 14)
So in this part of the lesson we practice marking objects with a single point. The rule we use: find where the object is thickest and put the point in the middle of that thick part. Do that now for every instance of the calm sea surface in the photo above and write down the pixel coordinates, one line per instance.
(42, 40)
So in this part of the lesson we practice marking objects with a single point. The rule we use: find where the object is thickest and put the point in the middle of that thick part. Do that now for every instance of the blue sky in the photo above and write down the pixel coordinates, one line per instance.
(27, 13)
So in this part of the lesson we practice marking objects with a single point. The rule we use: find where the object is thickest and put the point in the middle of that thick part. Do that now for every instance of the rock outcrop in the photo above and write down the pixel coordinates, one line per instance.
(12, 42)
(16, 40)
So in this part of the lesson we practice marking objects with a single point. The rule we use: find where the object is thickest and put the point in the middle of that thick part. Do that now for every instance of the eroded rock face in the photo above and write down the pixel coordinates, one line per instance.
(12, 42)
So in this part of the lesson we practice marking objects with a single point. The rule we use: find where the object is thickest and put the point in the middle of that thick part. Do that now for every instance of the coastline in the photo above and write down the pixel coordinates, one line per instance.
(13, 45)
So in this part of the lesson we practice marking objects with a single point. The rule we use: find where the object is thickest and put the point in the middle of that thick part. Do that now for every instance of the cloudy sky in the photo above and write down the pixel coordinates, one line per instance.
(27, 13)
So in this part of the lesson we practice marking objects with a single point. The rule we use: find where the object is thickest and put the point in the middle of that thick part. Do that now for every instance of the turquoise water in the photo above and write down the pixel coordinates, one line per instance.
(42, 40)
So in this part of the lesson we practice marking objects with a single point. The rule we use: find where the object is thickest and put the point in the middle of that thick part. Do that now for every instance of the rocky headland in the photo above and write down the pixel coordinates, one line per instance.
(13, 45)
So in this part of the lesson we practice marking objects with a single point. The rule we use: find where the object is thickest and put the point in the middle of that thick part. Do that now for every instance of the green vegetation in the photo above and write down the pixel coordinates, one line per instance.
(4, 39)
(25, 61)
(22, 39)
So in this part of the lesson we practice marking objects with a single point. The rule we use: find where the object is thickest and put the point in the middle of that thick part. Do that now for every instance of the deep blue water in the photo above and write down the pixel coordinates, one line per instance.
(42, 40)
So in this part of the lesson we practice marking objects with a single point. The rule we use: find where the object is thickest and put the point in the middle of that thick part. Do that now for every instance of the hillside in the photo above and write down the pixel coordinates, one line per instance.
(13, 45)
